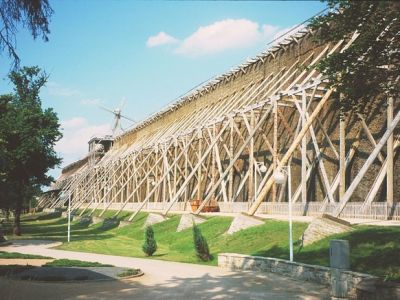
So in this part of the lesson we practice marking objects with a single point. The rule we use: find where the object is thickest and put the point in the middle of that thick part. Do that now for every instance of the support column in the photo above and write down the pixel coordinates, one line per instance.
(275, 153)
(303, 151)
(342, 154)
(231, 178)
(390, 155)
(251, 164)
(199, 170)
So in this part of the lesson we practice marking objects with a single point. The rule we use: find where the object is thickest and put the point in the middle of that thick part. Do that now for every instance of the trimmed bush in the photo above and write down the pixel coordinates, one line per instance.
(150, 244)
(200, 245)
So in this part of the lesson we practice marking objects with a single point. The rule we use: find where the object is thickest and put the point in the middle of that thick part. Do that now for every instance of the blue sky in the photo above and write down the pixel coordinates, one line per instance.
(148, 53)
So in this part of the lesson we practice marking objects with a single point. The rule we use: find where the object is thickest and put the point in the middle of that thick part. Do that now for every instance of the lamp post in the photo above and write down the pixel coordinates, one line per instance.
(69, 216)
(263, 169)
(279, 178)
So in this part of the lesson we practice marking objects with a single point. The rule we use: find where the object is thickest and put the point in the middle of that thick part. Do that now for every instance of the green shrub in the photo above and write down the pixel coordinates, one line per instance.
(150, 244)
(128, 272)
(200, 245)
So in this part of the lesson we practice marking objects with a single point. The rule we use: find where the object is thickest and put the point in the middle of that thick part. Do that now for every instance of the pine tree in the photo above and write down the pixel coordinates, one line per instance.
(200, 244)
(150, 244)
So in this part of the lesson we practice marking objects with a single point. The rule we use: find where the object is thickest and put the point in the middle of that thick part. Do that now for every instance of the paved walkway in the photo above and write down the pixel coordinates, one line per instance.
(162, 280)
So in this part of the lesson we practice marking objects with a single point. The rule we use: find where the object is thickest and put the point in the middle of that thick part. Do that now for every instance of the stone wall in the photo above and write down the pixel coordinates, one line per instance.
(299, 271)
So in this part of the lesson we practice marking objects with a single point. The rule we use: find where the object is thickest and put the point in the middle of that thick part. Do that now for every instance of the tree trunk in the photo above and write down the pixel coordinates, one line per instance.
(17, 219)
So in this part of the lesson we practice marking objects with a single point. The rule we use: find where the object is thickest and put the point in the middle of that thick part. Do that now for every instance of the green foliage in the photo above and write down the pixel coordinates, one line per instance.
(369, 68)
(74, 263)
(393, 274)
(15, 255)
(31, 14)
(150, 244)
(200, 244)
(28, 135)
(128, 272)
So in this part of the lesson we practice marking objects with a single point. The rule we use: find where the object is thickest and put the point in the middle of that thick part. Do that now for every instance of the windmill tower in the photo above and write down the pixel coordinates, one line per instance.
(117, 112)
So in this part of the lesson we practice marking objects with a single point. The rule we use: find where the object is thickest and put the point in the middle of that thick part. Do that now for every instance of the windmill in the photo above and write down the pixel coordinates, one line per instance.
(117, 112)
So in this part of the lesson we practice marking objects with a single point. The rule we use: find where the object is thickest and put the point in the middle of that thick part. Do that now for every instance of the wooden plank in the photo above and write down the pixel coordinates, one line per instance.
(289, 153)
(239, 152)
(367, 164)
(342, 155)
(303, 150)
(390, 155)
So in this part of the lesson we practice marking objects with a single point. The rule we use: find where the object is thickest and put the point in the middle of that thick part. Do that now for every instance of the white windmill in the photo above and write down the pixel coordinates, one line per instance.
(117, 112)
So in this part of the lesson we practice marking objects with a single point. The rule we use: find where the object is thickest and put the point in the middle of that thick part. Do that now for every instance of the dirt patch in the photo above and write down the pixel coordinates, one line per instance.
(24, 262)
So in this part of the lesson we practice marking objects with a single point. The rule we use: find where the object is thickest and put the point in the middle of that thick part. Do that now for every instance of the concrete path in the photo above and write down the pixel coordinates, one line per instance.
(162, 280)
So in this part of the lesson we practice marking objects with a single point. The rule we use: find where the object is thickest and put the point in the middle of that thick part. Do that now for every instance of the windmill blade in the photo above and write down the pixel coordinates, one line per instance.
(106, 109)
(129, 119)
(123, 102)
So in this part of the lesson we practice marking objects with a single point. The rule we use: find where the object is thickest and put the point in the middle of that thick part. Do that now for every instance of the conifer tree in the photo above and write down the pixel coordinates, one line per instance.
(150, 244)
(200, 244)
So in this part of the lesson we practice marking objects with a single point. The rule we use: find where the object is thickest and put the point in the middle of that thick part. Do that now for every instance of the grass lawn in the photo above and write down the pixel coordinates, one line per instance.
(374, 249)
(14, 255)
(74, 263)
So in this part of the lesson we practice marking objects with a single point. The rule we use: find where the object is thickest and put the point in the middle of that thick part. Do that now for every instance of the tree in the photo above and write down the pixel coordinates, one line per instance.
(32, 14)
(28, 134)
(150, 244)
(200, 244)
(369, 68)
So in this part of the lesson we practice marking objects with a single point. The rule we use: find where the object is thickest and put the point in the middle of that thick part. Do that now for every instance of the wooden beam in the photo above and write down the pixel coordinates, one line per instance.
(239, 152)
(303, 150)
(289, 153)
(367, 164)
(342, 154)
(390, 156)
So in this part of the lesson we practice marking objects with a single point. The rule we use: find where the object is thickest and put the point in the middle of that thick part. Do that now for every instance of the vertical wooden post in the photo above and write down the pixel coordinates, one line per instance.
(275, 146)
(390, 155)
(186, 170)
(164, 170)
(213, 162)
(176, 165)
(304, 151)
(231, 178)
(199, 196)
(251, 164)
(342, 154)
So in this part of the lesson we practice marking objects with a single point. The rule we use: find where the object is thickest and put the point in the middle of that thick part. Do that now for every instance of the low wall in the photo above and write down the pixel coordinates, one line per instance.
(299, 271)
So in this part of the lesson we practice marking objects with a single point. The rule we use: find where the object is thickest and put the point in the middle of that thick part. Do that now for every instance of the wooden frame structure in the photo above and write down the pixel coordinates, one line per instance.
(273, 111)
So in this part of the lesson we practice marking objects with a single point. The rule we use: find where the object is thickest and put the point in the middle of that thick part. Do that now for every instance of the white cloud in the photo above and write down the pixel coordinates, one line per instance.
(94, 101)
(76, 134)
(161, 38)
(269, 30)
(56, 89)
(220, 36)
(73, 123)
